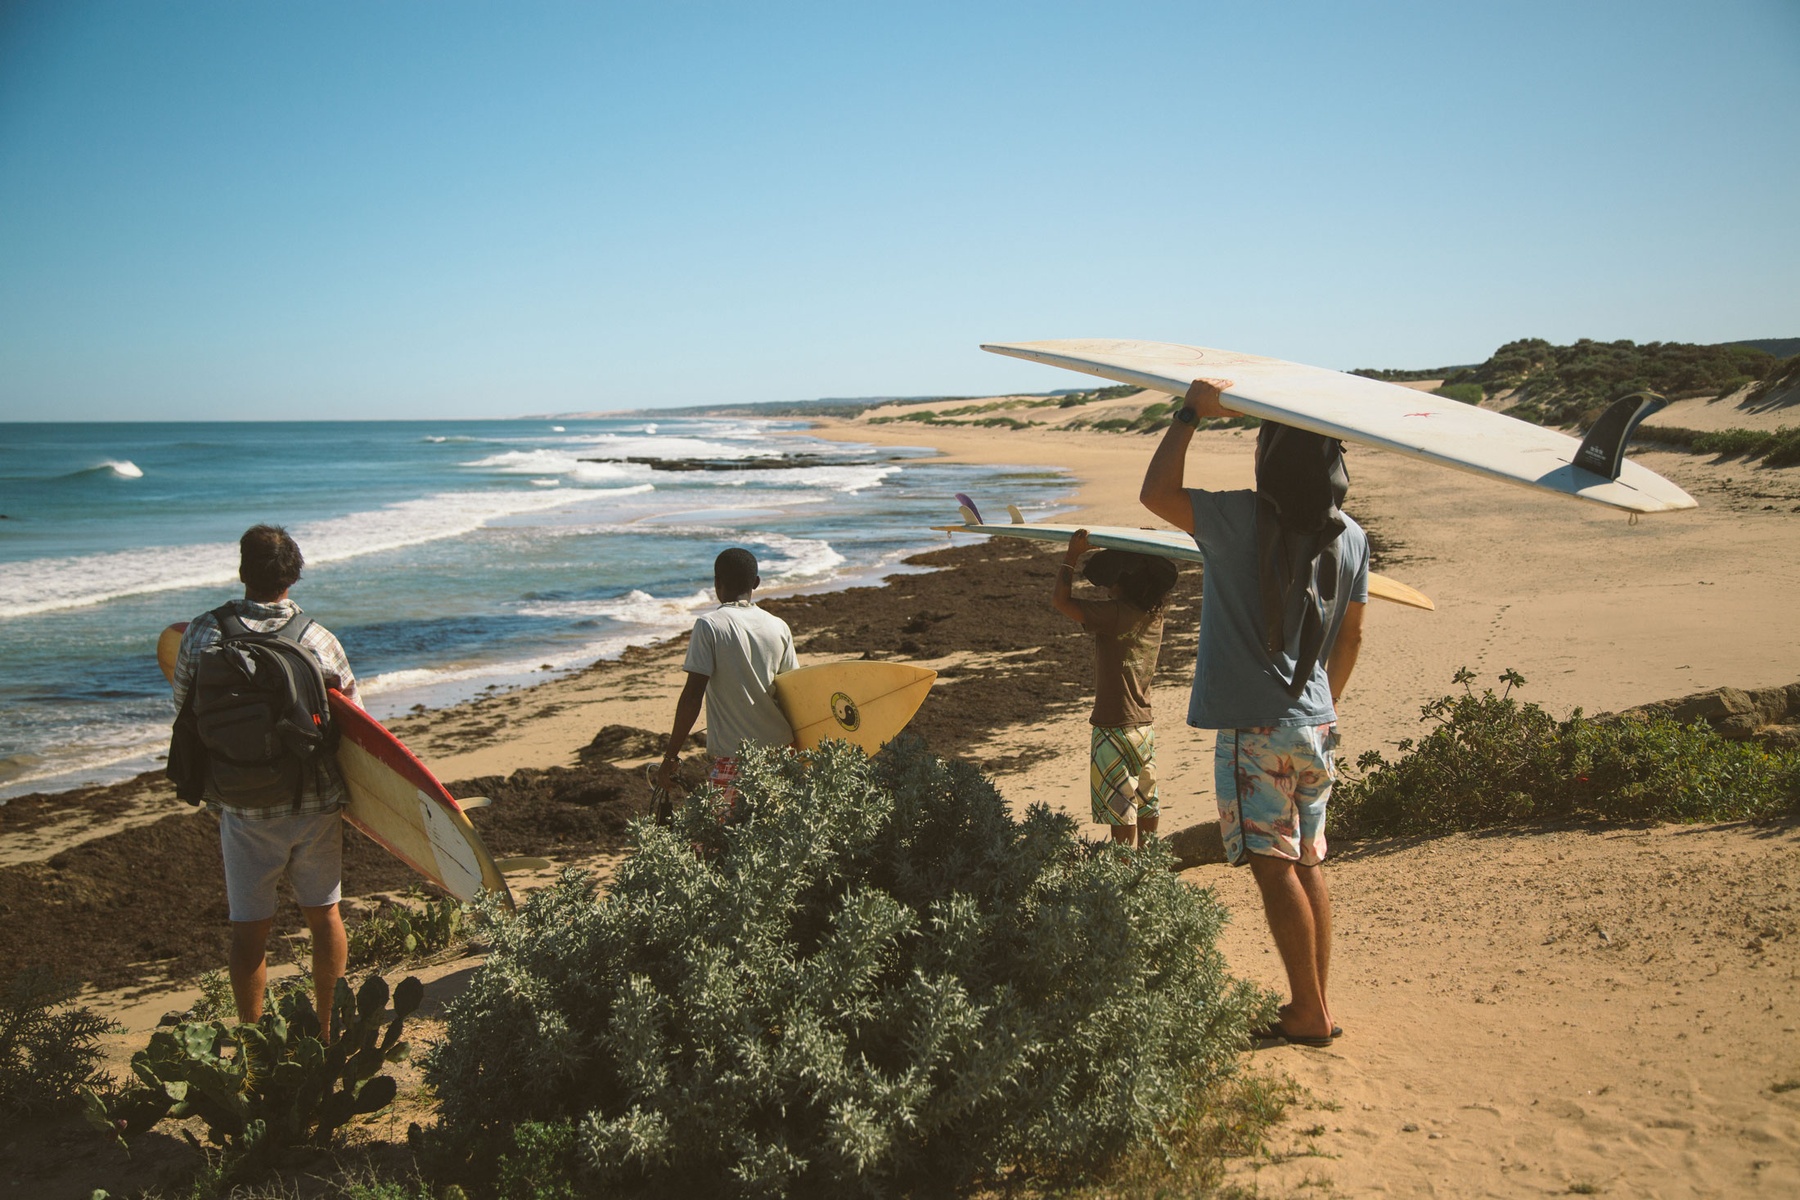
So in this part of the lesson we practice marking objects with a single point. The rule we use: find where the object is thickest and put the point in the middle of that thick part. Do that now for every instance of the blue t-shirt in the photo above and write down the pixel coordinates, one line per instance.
(1236, 686)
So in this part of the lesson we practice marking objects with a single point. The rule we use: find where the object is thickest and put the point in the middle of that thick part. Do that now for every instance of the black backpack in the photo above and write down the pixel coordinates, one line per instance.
(259, 716)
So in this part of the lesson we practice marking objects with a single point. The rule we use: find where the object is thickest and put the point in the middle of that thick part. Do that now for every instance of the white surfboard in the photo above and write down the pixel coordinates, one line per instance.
(1388, 416)
(1165, 543)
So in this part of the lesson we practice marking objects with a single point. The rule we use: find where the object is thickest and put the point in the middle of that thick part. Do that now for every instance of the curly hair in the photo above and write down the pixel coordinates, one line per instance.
(1145, 578)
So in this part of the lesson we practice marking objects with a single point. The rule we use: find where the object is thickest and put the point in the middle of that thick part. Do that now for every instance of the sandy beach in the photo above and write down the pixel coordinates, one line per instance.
(1527, 1012)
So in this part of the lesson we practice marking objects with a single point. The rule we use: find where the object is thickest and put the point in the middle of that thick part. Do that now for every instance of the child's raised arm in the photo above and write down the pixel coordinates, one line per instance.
(1060, 599)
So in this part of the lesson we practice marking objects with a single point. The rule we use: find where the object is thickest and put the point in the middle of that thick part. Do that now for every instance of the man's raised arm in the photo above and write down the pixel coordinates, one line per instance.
(1165, 491)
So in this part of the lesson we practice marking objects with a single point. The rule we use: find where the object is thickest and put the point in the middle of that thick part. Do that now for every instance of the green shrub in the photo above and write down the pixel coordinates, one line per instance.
(1784, 449)
(1493, 761)
(49, 1047)
(394, 934)
(272, 1084)
(1105, 393)
(1466, 393)
(1776, 448)
(877, 982)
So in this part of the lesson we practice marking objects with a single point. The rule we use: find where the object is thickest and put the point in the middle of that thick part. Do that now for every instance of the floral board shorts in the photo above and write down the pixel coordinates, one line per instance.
(1122, 774)
(1272, 787)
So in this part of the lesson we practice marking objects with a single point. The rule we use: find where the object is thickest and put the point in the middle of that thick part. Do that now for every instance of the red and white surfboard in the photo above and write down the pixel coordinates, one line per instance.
(395, 799)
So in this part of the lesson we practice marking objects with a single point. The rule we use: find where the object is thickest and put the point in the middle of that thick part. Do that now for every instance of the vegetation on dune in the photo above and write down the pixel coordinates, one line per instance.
(49, 1046)
(876, 982)
(1776, 448)
(1564, 385)
(1075, 399)
(1492, 761)
(1784, 376)
(1467, 393)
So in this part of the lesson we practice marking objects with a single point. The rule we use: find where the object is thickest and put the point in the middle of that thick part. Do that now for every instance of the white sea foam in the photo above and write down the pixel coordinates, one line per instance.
(646, 619)
(558, 462)
(556, 429)
(795, 559)
(97, 751)
(117, 468)
(668, 446)
(838, 479)
(45, 584)
(633, 608)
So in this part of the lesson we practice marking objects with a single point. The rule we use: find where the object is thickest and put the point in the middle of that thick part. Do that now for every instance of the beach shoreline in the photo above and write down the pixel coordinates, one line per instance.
(1527, 1010)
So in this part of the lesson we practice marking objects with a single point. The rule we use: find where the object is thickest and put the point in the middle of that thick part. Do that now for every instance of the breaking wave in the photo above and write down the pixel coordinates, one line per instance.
(44, 584)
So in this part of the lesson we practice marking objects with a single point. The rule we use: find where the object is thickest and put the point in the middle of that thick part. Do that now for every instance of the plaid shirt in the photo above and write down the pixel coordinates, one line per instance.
(203, 631)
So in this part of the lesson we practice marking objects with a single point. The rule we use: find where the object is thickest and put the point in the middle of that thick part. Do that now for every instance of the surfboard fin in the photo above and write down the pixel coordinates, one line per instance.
(969, 509)
(1603, 449)
(468, 802)
(521, 864)
(1018, 518)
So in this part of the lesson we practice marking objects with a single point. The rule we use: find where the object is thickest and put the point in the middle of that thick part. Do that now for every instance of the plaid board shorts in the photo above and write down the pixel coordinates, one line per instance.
(1119, 757)
(1272, 787)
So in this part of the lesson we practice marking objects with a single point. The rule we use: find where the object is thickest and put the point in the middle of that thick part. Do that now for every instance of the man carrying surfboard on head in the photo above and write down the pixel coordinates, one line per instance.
(1286, 584)
(734, 654)
(277, 796)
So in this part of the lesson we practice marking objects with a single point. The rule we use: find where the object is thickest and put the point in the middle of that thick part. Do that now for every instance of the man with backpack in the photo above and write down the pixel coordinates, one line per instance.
(255, 742)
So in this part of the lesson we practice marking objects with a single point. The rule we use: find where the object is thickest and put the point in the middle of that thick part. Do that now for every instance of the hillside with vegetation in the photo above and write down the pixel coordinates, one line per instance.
(1572, 385)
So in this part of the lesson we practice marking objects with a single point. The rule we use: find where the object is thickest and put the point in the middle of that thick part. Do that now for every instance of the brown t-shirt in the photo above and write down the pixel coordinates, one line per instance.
(1126, 642)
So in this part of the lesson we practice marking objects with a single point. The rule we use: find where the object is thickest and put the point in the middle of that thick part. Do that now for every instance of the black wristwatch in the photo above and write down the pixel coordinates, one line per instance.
(1187, 416)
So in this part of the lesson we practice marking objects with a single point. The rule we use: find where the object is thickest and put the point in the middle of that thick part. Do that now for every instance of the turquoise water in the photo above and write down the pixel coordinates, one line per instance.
(448, 556)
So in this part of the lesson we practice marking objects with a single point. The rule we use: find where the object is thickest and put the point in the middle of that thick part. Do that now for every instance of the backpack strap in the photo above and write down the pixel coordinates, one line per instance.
(229, 623)
(296, 628)
(232, 626)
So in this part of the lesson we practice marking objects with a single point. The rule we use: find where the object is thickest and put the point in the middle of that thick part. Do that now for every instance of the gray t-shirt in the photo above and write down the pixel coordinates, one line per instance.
(1236, 686)
(741, 648)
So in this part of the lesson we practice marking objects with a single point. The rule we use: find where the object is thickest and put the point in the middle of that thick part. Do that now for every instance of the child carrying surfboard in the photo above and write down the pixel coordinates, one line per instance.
(1127, 631)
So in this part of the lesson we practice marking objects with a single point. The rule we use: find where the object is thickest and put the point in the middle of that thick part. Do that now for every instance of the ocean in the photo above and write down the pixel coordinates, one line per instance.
(449, 557)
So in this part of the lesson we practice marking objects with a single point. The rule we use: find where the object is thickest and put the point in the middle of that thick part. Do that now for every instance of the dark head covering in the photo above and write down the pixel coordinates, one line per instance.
(1145, 577)
(1300, 482)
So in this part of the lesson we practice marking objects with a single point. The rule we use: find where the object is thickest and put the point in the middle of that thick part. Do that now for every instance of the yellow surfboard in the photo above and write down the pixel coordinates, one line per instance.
(865, 703)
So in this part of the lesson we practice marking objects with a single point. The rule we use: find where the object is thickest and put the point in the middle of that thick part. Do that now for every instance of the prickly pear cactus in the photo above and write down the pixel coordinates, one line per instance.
(271, 1084)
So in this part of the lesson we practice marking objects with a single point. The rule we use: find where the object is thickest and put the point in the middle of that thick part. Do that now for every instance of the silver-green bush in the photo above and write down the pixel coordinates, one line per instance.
(876, 982)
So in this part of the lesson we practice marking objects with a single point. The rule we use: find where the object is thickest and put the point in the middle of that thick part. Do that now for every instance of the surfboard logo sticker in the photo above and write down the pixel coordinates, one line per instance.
(845, 712)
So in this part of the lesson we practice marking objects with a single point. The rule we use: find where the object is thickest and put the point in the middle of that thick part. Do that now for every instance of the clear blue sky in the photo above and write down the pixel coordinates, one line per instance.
(433, 209)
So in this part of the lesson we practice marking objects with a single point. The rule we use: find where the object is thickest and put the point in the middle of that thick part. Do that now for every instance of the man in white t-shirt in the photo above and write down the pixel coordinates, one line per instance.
(734, 654)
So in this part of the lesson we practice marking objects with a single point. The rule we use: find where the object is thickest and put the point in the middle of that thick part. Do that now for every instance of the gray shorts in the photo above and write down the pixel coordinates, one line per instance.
(310, 849)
